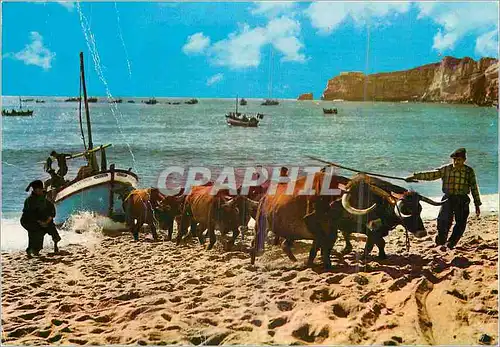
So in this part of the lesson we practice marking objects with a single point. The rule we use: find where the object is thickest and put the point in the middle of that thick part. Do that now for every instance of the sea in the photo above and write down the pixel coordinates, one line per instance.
(389, 138)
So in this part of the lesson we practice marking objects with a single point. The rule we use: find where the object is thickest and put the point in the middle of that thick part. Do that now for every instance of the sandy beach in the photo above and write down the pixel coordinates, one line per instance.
(121, 292)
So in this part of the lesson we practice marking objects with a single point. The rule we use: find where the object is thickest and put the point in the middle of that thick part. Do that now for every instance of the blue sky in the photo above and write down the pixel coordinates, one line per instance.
(222, 49)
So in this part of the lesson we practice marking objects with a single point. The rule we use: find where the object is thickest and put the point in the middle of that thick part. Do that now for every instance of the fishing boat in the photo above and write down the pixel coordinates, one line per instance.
(18, 113)
(330, 111)
(270, 102)
(97, 188)
(242, 119)
(73, 99)
(151, 101)
(191, 102)
(243, 102)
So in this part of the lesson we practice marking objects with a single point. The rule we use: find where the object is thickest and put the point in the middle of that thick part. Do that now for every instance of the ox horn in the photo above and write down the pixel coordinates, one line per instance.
(398, 208)
(432, 202)
(352, 210)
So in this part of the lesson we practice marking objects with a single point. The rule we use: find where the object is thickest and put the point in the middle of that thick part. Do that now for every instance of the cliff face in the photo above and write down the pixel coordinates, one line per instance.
(452, 80)
(307, 96)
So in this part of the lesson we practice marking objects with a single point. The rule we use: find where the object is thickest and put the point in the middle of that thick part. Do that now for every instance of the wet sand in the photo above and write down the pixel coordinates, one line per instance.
(121, 292)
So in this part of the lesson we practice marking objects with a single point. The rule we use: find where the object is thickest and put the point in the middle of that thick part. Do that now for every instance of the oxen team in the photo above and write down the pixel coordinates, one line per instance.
(362, 204)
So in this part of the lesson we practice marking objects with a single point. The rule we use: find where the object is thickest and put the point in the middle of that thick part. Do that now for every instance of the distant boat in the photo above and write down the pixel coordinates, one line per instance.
(330, 111)
(28, 100)
(40, 101)
(18, 113)
(116, 101)
(72, 100)
(131, 102)
(241, 119)
(151, 101)
(97, 188)
(270, 102)
(92, 100)
(243, 102)
(191, 102)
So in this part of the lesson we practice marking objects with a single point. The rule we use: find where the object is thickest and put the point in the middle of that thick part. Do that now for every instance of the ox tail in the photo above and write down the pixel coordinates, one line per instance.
(260, 228)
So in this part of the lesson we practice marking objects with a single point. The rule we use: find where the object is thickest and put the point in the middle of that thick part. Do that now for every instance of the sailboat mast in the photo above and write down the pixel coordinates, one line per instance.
(236, 104)
(20, 104)
(87, 114)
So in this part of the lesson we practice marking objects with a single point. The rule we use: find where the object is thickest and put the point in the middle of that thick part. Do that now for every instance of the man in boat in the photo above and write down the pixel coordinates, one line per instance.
(38, 219)
(61, 162)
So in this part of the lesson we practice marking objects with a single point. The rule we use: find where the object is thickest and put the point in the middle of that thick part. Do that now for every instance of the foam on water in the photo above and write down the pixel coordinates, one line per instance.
(83, 229)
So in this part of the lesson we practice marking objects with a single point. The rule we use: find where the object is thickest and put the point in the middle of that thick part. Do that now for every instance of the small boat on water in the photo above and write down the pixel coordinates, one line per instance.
(151, 101)
(18, 113)
(242, 119)
(270, 102)
(72, 100)
(330, 111)
(40, 101)
(191, 102)
(92, 100)
(131, 102)
(28, 100)
(243, 102)
(96, 188)
(116, 101)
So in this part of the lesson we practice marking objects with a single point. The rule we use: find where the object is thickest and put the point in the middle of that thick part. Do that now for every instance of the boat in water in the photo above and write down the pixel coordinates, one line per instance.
(242, 119)
(191, 102)
(151, 101)
(243, 102)
(270, 102)
(18, 113)
(97, 188)
(330, 111)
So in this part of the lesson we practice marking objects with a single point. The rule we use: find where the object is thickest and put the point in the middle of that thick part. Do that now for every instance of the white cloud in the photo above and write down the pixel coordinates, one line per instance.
(35, 53)
(69, 5)
(487, 44)
(272, 8)
(196, 43)
(458, 20)
(215, 79)
(242, 49)
(327, 16)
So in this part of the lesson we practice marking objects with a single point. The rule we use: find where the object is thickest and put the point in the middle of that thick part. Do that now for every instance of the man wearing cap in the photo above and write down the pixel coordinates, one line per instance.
(61, 162)
(458, 180)
(38, 219)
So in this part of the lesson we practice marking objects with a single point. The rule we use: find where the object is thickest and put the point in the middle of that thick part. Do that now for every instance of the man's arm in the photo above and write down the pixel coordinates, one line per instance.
(426, 175)
(475, 191)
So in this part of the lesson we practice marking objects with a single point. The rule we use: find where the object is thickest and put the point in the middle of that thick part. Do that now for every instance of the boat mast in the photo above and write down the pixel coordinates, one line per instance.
(236, 104)
(20, 104)
(87, 114)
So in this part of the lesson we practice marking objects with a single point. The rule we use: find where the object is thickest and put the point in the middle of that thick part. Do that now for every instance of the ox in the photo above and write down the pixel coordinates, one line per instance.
(150, 206)
(204, 210)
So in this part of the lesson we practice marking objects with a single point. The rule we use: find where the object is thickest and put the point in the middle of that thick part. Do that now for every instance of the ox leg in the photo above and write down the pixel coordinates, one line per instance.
(170, 229)
(312, 254)
(287, 248)
(370, 242)
(182, 229)
(231, 242)
(380, 242)
(211, 235)
(153, 231)
(348, 246)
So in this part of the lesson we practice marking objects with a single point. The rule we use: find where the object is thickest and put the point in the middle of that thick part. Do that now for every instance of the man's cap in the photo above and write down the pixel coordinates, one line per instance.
(35, 184)
(459, 153)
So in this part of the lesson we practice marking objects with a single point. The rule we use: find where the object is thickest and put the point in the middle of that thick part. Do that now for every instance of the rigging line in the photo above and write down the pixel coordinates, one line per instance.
(91, 44)
(123, 41)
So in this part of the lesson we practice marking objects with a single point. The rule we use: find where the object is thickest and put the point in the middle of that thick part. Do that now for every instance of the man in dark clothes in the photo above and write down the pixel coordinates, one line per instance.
(458, 181)
(38, 219)
(61, 162)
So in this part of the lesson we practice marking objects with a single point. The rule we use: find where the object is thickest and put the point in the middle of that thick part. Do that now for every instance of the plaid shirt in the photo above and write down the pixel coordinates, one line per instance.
(455, 181)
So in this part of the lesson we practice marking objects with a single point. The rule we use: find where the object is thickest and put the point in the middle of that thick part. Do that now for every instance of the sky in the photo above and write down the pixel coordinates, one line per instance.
(223, 49)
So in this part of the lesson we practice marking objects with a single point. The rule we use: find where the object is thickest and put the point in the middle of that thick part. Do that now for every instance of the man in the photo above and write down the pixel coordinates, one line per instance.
(458, 180)
(38, 219)
(61, 162)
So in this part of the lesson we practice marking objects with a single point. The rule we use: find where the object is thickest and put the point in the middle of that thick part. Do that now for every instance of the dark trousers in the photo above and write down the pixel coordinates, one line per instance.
(457, 206)
(36, 234)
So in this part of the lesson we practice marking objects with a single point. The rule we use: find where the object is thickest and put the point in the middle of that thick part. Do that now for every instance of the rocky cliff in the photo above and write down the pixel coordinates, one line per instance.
(452, 80)
(306, 96)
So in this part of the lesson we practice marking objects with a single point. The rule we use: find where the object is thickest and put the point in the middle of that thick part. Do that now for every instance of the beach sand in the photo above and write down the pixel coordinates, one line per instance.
(121, 292)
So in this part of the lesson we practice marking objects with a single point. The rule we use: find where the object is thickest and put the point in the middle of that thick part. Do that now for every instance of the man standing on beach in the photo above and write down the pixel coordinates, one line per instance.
(458, 180)
(38, 219)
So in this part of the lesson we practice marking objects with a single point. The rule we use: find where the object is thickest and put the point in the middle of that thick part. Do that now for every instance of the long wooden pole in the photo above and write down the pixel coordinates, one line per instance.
(358, 171)
(87, 113)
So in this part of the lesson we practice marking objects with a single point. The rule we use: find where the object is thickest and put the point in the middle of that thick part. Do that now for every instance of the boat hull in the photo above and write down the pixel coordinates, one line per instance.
(93, 194)
(238, 123)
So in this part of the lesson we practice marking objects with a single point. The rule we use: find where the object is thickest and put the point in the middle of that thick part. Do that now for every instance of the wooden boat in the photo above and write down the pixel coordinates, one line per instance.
(131, 102)
(243, 102)
(72, 100)
(18, 113)
(92, 100)
(270, 102)
(191, 102)
(116, 101)
(95, 189)
(151, 101)
(242, 119)
(330, 111)
(40, 101)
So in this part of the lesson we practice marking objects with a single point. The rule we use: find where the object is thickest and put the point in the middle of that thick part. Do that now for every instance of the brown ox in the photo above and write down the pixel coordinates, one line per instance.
(285, 214)
(203, 210)
(142, 206)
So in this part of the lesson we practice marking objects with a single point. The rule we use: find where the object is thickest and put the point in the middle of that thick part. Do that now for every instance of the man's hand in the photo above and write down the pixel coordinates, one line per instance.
(478, 211)
(410, 179)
